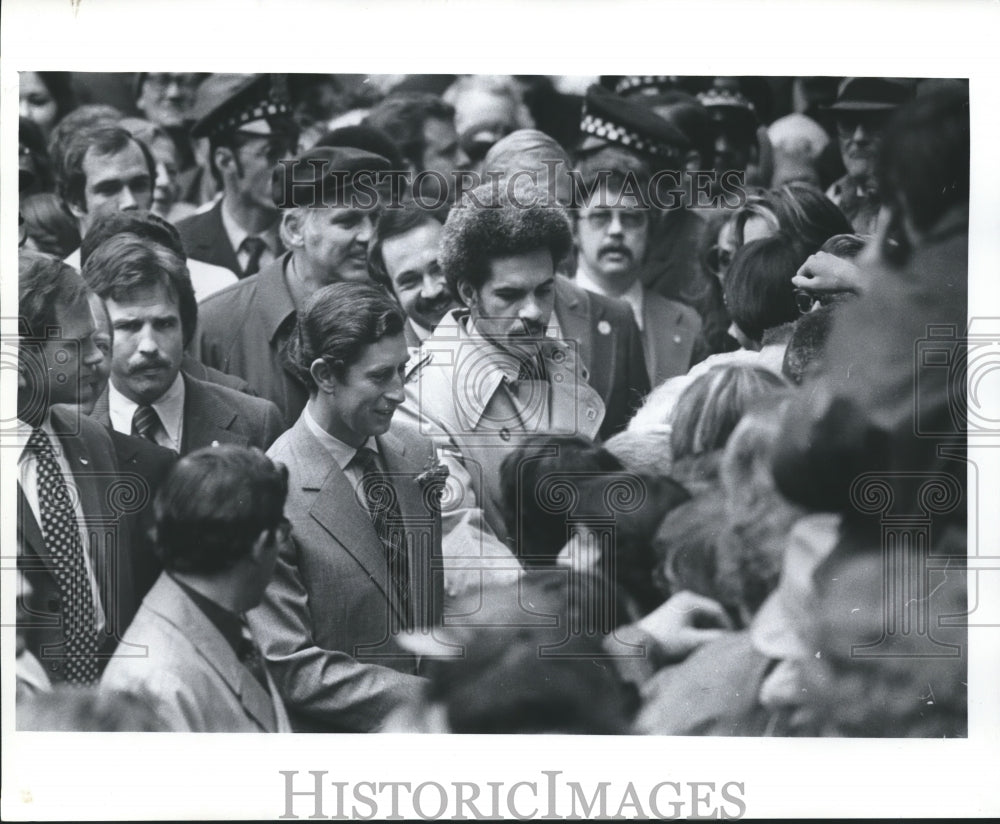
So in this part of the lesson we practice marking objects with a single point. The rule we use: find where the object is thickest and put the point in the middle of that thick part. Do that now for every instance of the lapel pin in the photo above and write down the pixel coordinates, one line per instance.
(604, 327)
(84, 461)
(215, 443)
(677, 338)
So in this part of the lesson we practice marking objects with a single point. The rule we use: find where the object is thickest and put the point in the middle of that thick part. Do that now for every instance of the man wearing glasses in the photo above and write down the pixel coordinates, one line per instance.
(249, 127)
(612, 237)
(861, 110)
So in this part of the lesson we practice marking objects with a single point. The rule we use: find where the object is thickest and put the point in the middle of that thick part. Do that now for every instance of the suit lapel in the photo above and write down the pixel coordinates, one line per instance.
(206, 419)
(215, 245)
(172, 604)
(573, 312)
(337, 508)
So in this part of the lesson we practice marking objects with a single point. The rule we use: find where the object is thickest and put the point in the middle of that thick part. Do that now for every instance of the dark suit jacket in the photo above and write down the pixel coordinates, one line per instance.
(106, 497)
(324, 623)
(244, 329)
(204, 238)
(152, 463)
(610, 348)
(214, 414)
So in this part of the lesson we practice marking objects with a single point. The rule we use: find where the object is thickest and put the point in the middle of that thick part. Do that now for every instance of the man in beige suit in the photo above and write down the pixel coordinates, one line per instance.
(490, 378)
(219, 526)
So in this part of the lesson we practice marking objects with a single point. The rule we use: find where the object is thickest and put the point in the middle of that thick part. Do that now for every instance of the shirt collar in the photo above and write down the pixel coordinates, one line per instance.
(23, 433)
(169, 408)
(633, 296)
(421, 332)
(229, 624)
(341, 452)
(237, 234)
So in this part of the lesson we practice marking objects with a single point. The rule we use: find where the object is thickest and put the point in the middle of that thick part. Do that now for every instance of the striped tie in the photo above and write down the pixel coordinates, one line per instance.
(145, 423)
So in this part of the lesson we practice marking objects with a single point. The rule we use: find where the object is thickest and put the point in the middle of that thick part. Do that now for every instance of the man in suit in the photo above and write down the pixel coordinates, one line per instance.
(612, 236)
(219, 528)
(366, 529)
(403, 256)
(149, 298)
(73, 546)
(490, 377)
(326, 223)
(249, 127)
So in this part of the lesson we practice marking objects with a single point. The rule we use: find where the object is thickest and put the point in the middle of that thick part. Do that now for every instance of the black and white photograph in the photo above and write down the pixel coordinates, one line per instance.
(611, 444)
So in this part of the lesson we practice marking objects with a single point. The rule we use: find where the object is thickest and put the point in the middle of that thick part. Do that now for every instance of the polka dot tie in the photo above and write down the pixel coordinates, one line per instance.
(62, 539)
(380, 498)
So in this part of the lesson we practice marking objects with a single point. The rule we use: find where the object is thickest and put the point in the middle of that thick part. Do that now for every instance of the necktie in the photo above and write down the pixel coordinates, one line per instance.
(251, 658)
(383, 508)
(146, 423)
(62, 539)
(255, 247)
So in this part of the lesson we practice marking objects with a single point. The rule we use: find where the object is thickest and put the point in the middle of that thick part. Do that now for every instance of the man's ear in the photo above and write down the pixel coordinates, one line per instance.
(76, 209)
(467, 294)
(223, 158)
(323, 375)
(292, 226)
(261, 545)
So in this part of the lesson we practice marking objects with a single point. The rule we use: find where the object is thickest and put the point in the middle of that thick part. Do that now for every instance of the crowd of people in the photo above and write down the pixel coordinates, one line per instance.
(492, 404)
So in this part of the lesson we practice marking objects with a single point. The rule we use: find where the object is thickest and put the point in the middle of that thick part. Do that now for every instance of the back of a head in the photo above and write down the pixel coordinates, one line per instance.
(807, 215)
(804, 354)
(138, 222)
(44, 285)
(709, 409)
(504, 683)
(214, 504)
(758, 290)
(541, 485)
(924, 160)
(49, 226)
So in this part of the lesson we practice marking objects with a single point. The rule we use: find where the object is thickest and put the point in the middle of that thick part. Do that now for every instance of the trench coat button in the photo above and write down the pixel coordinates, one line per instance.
(604, 327)
(558, 378)
(677, 338)
(505, 434)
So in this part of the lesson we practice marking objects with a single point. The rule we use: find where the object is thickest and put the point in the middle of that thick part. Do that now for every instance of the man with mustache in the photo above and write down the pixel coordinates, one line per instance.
(489, 377)
(329, 203)
(861, 110)
(612, 237)
(402, 256)
(150, 300)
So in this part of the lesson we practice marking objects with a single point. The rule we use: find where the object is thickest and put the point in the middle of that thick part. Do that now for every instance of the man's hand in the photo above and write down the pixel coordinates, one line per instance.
(823, 272)
(683, 623)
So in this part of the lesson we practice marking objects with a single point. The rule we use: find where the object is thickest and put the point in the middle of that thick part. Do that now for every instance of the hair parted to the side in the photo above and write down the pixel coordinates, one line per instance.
(141, 222)
(214, 504)
(337, 323)
(103, 139)
(497, 221)
(126, 262)
(44, 286)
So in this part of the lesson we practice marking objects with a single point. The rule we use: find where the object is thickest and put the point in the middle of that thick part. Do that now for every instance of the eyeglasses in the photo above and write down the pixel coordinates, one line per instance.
(873, 122)
(600, 219)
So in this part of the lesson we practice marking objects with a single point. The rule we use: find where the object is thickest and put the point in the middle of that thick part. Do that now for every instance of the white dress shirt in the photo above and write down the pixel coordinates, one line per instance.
(169, 408)
(27, 464)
